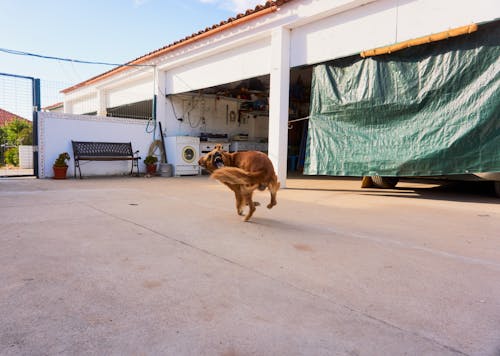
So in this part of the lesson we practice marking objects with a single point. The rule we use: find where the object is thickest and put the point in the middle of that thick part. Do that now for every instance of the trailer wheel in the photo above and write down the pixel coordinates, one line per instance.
(384, 182)
(496, 186)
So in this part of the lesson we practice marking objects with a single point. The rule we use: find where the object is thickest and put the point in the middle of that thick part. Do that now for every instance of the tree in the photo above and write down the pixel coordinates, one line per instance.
(18, 132)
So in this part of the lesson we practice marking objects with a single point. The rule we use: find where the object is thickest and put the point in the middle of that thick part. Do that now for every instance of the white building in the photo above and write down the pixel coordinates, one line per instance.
(233, 80)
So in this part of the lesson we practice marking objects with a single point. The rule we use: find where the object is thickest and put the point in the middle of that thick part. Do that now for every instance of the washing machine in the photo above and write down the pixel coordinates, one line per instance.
(183, 153)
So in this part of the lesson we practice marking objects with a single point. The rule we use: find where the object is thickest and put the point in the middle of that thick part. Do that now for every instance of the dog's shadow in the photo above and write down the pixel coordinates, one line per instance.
(282, 225)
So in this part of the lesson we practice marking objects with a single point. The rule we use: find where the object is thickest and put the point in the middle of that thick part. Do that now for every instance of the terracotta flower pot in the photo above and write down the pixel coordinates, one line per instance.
(151, 169)
(60, 172)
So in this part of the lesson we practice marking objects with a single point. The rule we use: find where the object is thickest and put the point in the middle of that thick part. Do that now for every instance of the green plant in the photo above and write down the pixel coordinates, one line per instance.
(12, 156)
(61, 161)
(17, 132)
(150, 160)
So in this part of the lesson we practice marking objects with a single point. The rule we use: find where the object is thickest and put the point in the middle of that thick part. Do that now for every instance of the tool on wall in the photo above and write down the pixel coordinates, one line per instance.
(163, 143)
(227, 114)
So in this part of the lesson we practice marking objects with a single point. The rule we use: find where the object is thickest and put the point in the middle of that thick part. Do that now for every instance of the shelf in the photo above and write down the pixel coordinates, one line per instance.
(210, 96)
(254, 112)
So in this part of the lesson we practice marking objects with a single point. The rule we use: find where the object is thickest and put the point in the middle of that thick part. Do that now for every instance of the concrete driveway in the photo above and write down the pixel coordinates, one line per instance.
(164, 266)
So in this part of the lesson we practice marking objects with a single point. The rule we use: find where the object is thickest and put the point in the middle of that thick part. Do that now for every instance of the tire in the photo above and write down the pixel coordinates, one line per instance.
(385, 182)
(496, 187)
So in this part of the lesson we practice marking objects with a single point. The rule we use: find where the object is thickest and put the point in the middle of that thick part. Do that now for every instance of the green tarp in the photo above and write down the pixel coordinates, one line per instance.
(424, 111)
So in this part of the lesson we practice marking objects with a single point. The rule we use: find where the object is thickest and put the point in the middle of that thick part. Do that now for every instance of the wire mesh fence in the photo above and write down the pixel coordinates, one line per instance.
(129, 100)
(16, 96)
(16, 127)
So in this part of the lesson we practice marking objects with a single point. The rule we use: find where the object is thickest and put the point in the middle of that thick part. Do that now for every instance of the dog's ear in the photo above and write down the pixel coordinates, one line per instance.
(202, 161)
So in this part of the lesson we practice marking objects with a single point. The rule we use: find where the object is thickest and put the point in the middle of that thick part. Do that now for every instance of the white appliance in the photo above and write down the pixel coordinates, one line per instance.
(183, 153)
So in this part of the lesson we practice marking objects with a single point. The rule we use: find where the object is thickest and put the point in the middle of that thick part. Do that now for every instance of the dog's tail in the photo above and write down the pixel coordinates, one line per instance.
(234, 175)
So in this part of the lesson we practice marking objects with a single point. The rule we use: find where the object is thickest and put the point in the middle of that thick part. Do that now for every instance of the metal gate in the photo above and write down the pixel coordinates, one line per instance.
(19, 105)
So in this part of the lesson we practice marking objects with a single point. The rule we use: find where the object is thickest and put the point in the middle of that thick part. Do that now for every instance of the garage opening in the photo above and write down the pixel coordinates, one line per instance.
(235, 114)
(299, 106)
(138, 110)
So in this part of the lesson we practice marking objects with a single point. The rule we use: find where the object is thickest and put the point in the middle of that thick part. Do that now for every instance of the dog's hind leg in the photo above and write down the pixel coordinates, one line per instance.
(238, 197)
(251, 205)
(239, 201)
(273, 189)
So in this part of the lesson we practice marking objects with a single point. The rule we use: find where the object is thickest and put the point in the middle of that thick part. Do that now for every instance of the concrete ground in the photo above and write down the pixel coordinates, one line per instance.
(164, 266)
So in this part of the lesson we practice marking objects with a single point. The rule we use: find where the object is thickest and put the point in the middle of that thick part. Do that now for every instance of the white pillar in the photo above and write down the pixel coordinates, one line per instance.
(101, 102)
(278, 101)
(67, 106)
(161, 100)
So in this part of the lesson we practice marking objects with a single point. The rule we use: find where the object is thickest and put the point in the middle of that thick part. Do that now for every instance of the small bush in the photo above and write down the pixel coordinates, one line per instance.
(12, 156)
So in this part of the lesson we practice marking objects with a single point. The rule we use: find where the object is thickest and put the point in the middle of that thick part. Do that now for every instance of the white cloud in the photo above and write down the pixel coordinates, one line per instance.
(138, 3)
(236, 6)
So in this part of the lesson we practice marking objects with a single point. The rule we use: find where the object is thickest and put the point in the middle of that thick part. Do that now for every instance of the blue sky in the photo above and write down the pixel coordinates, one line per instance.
(113, 31)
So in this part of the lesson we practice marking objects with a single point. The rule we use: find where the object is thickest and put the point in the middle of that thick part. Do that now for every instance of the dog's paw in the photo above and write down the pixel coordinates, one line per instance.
(270, 205)
(256, 203)
(240, 212)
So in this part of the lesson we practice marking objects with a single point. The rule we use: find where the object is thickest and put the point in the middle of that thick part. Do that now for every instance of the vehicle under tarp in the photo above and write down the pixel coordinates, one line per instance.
(429, 110)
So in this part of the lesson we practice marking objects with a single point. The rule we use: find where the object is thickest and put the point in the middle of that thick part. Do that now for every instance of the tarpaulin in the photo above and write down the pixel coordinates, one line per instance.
(423, 111)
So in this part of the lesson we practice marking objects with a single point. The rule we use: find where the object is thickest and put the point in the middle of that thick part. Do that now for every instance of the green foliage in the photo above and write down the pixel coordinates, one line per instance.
(62, 159)
(150, 160)
(17, 132)
(12, 156)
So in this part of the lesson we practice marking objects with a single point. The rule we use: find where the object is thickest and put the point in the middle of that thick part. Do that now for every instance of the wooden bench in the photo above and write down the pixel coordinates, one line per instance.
(104, 151)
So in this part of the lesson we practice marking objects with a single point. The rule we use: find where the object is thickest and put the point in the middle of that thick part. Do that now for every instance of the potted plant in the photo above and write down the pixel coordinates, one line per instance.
(60, 166)
(150, 162)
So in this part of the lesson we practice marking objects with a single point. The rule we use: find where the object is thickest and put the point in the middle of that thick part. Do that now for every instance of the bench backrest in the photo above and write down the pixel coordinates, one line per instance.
(102, 149)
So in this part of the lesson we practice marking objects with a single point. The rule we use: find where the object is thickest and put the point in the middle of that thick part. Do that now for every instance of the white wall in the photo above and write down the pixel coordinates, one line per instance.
(83, 105)
(344, 34)
(132, 93)
(55, 132)
(382, 23)
(419, 18)
(26, 157)
(247, 61)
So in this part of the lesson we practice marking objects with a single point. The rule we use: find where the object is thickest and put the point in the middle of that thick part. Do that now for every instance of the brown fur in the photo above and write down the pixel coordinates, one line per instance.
(242, 172)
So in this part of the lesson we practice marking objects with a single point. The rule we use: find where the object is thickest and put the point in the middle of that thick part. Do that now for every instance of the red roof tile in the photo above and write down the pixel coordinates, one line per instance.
(6, 117)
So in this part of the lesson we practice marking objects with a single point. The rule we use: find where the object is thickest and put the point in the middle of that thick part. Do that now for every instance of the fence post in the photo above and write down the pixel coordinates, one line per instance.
(36, 107)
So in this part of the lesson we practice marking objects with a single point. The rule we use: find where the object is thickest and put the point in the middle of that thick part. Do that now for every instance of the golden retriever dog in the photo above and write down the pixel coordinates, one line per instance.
(242, 172)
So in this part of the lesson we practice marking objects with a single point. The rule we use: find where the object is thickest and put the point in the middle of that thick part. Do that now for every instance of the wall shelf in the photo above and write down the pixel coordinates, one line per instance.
(209, 96)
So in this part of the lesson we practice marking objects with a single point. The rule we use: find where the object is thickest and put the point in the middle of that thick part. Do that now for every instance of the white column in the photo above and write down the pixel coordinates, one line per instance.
(101, 102)
(161, 100)
(278, 101)
(67, 106)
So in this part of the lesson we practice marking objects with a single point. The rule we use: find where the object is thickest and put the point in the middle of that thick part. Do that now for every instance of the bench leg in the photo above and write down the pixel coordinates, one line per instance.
(135, 162)
(77, 164)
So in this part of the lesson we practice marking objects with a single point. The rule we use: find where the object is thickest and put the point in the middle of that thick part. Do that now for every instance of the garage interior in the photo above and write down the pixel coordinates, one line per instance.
(236, 115)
